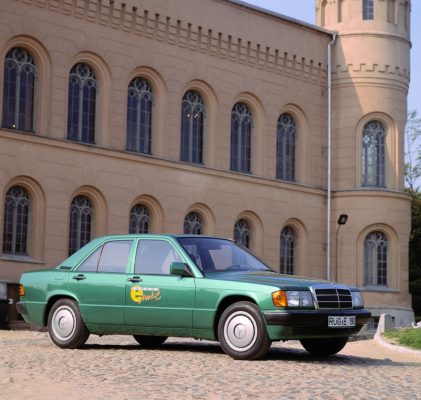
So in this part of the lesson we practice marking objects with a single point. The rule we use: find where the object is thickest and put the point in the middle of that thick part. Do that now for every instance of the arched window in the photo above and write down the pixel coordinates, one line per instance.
(285, 148)
(140, 219)
(139, 116)
(242, 233)
(17, 207)
(375, 259)
(192, 115)
(288, 240)
(18, 90)
(81, 220)
(193, 224)
(373, 154)
(368, 9)
(83, 91)
(241, 125)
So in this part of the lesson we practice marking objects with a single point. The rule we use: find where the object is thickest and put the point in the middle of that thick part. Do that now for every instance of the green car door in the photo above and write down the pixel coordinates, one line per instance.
(154, 298)
(100, 282)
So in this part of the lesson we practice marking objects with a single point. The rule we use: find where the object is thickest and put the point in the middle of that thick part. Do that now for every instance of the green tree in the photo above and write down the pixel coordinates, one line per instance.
(412, 177)
(413, 151)
(415, 254)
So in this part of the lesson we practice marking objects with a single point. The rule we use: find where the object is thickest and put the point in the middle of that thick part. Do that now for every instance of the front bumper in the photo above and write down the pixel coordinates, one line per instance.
(300, 324)
(21, 307)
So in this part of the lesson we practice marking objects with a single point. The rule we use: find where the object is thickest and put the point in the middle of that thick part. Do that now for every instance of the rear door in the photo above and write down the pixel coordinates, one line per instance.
(154, 298)
(100, 283)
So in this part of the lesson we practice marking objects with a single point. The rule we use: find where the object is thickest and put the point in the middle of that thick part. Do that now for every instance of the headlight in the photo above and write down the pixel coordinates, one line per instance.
(357, 300)
(292, 298)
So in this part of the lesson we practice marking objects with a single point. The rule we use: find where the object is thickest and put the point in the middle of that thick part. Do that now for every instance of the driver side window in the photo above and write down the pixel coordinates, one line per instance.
(154, 257)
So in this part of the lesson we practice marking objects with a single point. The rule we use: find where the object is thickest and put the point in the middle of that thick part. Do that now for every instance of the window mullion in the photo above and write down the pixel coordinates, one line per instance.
(138, 122)
(17, 96)
(80, 113)
(14, 226)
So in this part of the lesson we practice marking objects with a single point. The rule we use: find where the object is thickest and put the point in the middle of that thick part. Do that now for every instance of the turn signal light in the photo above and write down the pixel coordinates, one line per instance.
(279, 298)
(21, 291)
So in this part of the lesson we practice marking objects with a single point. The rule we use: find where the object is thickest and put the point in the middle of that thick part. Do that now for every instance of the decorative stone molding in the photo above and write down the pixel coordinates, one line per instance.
(135, 20)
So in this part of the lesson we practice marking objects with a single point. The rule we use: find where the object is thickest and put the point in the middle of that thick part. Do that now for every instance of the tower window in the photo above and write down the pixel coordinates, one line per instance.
(368, 9)
(373, 154)
(375, 259)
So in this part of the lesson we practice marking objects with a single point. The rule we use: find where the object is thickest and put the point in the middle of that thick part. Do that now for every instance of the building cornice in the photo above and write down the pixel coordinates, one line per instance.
(280, 16)
(372, 192)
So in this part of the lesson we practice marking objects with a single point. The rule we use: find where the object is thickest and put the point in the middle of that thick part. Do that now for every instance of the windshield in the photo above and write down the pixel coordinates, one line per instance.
(220, 255)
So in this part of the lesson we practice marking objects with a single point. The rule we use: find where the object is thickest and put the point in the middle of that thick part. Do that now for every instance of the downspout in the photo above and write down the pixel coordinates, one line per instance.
(329, 153)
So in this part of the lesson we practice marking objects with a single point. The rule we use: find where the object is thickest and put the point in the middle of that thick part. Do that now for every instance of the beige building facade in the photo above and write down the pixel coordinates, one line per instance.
(208, 116)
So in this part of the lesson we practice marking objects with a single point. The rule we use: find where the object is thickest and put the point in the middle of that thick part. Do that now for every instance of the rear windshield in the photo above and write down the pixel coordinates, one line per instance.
(220, 255)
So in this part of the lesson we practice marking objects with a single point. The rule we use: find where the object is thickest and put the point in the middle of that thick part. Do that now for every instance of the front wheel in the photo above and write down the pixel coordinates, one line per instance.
(324, 347)
(150, 342)
(65, 325)
(242, 331)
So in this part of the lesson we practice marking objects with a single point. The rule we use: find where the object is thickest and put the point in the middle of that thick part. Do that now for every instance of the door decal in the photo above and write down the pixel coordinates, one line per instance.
(137, 294)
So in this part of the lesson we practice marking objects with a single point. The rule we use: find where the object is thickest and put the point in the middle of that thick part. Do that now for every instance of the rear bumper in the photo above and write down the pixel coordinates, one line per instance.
(312, 323)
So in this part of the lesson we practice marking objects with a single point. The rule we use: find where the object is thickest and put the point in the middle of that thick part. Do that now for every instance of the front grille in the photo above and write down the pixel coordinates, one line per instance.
(333, 298)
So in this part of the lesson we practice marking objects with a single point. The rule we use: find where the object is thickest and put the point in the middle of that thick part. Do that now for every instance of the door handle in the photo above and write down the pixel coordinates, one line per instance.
(135, 279)
(79, 277)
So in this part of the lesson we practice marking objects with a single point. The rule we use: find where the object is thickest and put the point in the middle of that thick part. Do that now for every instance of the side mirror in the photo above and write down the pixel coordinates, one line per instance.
(180, 269)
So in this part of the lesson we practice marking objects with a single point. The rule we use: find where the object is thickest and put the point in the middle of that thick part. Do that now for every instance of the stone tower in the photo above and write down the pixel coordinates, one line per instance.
(370, 78)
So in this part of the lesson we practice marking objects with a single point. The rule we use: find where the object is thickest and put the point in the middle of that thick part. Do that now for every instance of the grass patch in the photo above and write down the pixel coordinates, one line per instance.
(409, 337)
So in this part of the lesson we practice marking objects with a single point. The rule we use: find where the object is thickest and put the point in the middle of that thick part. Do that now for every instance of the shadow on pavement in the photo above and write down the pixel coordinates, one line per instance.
(275, 354)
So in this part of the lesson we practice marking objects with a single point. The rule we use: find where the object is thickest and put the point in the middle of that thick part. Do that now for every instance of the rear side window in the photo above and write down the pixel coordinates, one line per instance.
(155, 257)
(111, 257)
(114, 256)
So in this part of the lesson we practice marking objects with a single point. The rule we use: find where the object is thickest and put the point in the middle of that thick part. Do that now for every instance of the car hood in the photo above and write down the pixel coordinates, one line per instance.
(266, 278)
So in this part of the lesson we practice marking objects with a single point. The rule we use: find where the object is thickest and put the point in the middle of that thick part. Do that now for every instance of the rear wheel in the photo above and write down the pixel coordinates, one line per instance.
(242, 331)
(65, 325)
(324, 347)
(150, 342)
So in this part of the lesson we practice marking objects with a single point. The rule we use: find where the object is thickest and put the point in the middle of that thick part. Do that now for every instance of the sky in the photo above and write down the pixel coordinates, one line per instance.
(304, 10)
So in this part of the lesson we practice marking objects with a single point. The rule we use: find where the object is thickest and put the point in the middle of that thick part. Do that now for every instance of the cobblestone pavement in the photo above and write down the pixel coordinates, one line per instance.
(115, 367)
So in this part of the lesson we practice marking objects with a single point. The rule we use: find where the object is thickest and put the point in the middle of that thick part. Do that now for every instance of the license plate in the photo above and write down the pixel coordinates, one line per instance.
(341, 322)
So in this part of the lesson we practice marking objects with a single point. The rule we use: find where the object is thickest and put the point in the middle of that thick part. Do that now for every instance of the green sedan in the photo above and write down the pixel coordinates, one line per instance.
(155, 286)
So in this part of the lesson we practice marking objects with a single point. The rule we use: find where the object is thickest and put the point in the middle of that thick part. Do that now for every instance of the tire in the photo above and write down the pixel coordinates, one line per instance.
(150, 342)
(242, 331)
(324, 347)
(65, 325)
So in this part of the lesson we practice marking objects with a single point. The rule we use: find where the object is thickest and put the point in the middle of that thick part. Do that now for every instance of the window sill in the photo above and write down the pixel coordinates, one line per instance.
(25, 259)
(374, 288)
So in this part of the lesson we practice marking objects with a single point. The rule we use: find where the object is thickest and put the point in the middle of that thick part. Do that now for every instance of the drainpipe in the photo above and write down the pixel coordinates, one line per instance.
(329, 153)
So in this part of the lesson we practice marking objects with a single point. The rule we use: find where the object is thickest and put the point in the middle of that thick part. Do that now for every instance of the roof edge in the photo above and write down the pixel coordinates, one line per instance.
(261, 10)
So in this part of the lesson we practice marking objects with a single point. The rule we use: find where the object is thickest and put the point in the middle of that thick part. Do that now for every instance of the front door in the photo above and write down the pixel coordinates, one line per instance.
(154, 298)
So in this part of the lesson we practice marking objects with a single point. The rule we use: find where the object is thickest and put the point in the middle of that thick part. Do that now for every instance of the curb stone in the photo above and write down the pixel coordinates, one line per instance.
(395, 347)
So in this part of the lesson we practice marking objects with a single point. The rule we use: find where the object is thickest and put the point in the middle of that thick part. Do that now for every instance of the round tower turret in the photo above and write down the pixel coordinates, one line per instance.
(370, 79)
